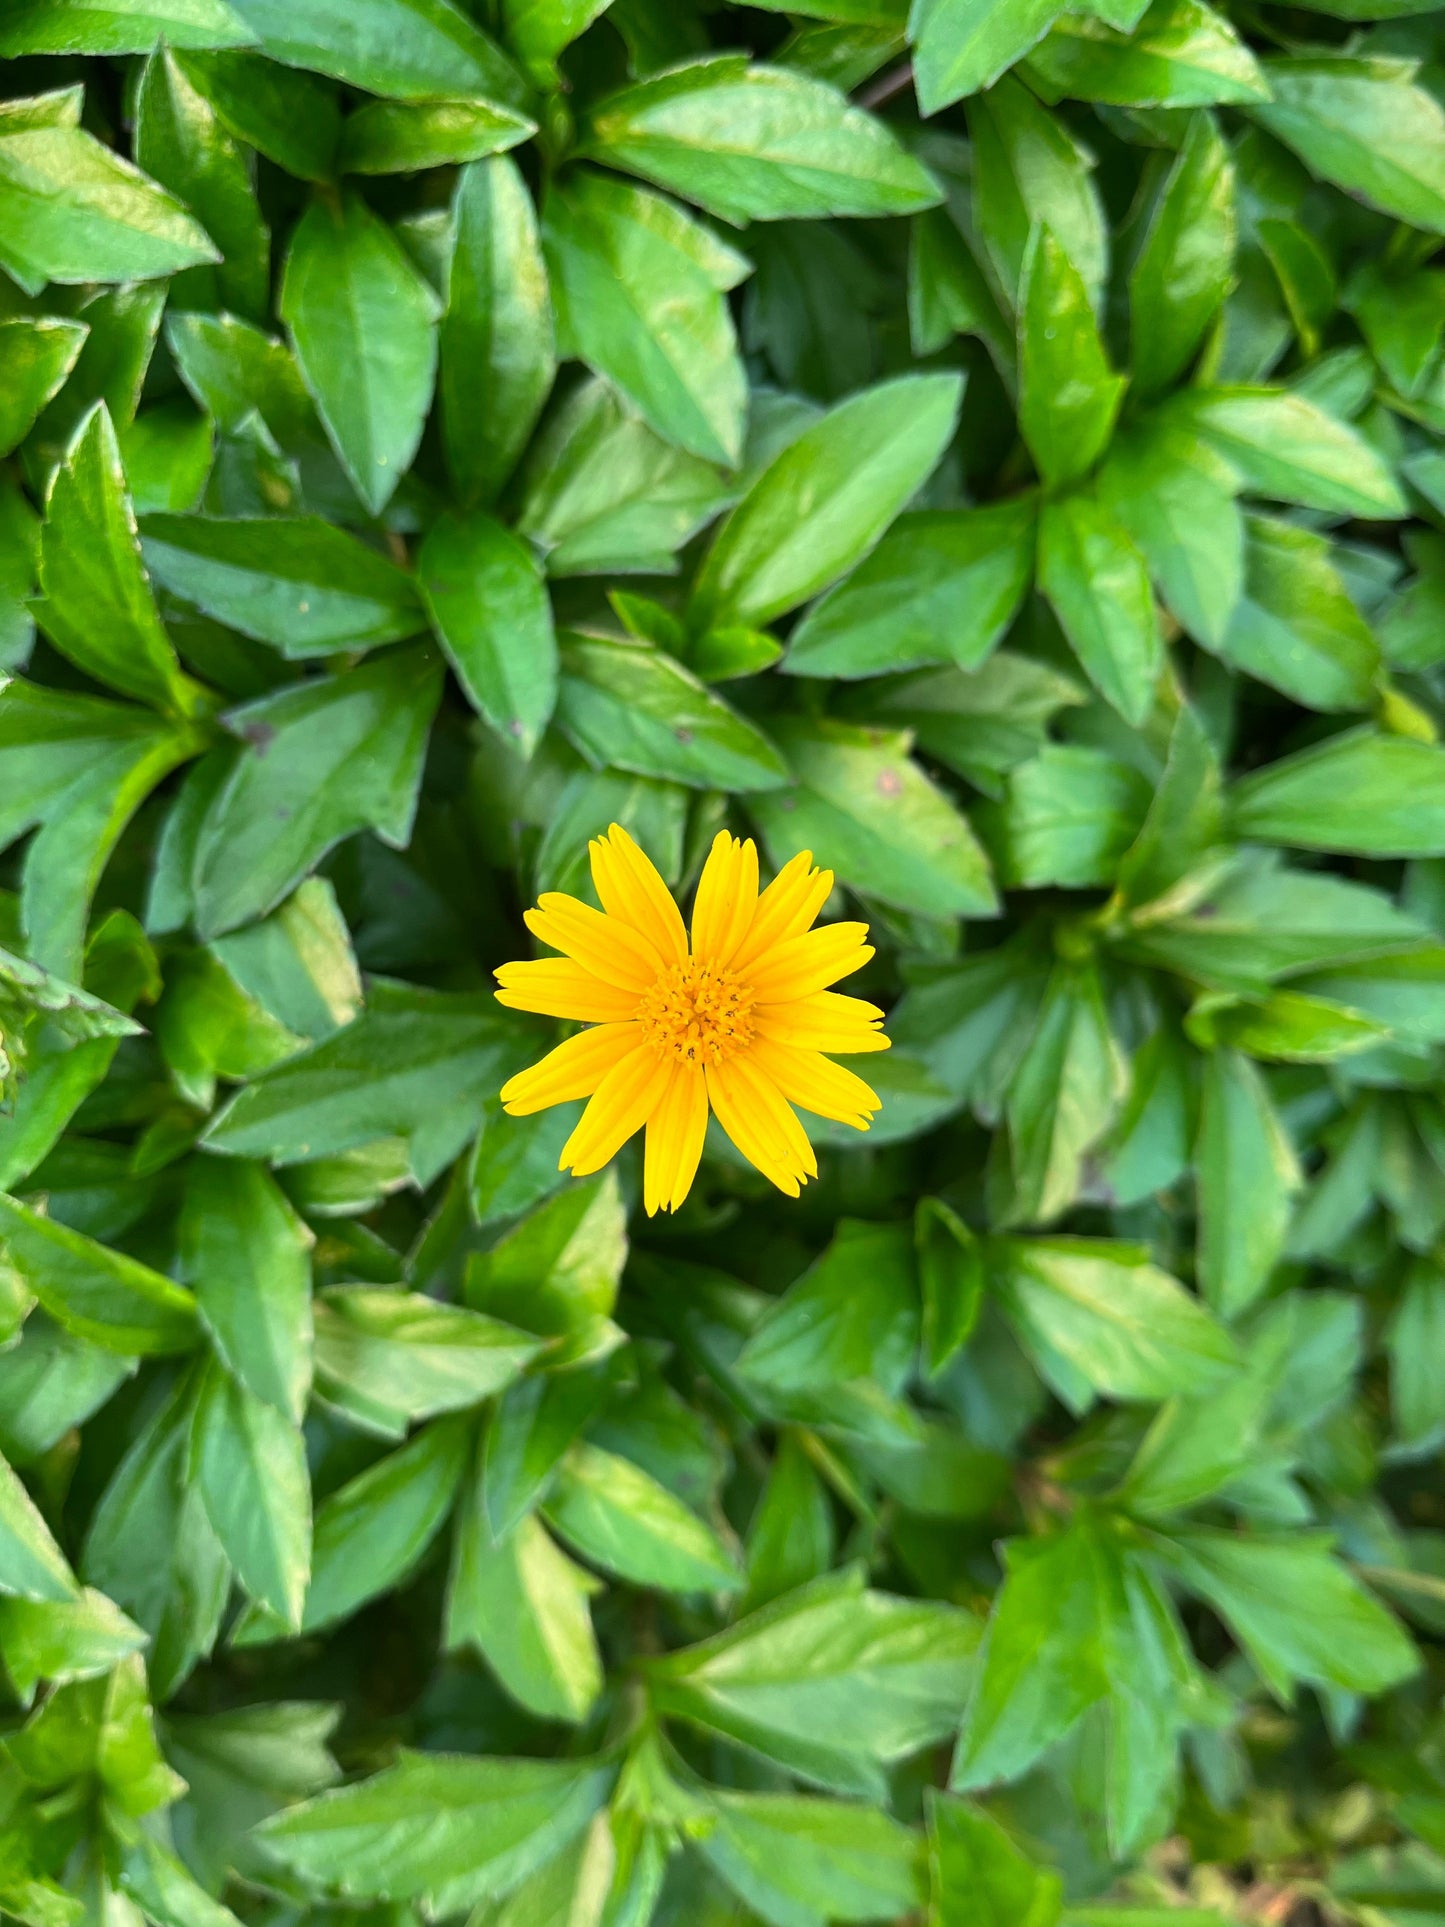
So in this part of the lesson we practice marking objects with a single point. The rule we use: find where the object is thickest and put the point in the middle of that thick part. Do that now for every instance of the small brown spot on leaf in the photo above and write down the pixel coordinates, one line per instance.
(259, 735)
(890, 783)
(683, 734)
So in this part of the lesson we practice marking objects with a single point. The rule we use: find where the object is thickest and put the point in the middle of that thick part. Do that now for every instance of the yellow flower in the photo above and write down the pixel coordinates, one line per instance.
(737, 1020)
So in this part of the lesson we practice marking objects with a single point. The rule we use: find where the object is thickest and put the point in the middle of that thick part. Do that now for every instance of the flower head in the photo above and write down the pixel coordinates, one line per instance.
(734, 1016)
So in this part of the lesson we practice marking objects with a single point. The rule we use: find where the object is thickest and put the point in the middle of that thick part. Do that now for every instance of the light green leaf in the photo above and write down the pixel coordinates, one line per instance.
(637, 288)
(1127, 1327)
(96, 1293)
(942, 586)
(871, 813)
(1098, 585)
(246, 1256)
(439, 1826)
(323, 760)
(98, 608)
(71, 210)
(618, 1517)
(300, 584)
(494, 621)
(404, 49)
(824, 500)
(752, 142)
(363, 325)
(1068, 394)
(630, 707)
(249, 1465)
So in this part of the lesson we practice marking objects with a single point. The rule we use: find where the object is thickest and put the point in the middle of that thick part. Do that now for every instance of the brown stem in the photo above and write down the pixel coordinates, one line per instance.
(887, 86)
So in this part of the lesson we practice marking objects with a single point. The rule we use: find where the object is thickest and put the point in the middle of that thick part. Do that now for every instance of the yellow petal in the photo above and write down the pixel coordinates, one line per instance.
(557, 987)
(574, 1069)
(632, 892)
(727, 895)
(611, 950)
(806, 1078)
(675, 1132)
(621, 1104)
(761, 1124)
(809, 962)
(842, 1026)
(785, 909)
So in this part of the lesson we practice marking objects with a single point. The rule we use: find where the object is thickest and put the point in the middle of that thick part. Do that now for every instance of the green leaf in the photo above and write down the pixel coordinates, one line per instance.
(1364, 125)
(831, 1683)
(396, 1356)
(603, 494)
(161, 1887)
(801, 1862)
(824, 500)
(637, 289)
(1028, 172)
(1126, 1328)
(950, 1278)
(1413, 1339)
(618, 1517)
(1295, 626)
(99, 1294)
(404, 49)
(1068, 395)
(1247, 1174)
(249, 1465)
(751, 142)
(523, 1604)
(36, 354)
(960, 48)
(1175, 496)
(977, 1869)
(1298, 1612)
(73, 211)
(1285, 446)
(289, 117)
(635, 708)
(98, 608)
(323, 760)
(1069, 815)
(842, 1333)
(418, 1064)
(151, 1546)
(941, 586)
(362, 322)
(1182, 54)
(77, 1639)
(79, 768)
(1364, 792)
(497, 349)
(400, 137)
(492, 616)
(181, 142)
(300, 584)
(440, 1827)
(1185, 266)
(372, 1533)
(981, 724)
(246, 1255)
(791, 1537)
(32, 1566)
(888, 831)
(1098, 585)
(118, 26)
(1053, 1643)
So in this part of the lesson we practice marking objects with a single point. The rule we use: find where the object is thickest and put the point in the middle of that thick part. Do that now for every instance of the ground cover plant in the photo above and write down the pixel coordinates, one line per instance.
(999, 450)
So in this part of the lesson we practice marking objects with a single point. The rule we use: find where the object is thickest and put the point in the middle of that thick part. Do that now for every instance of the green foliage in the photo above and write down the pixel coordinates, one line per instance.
(998, 445)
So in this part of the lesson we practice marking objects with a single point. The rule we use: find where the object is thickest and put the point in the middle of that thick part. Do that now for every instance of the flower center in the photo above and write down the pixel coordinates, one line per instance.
(697, 1014)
